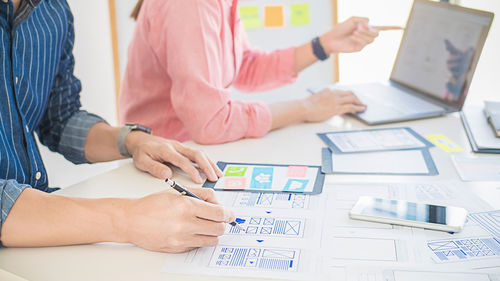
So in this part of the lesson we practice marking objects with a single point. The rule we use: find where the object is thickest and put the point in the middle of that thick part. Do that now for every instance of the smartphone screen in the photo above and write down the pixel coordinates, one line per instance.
(403, 210)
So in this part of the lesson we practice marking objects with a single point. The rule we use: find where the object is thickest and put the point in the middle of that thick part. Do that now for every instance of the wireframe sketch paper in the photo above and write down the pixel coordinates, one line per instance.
(464, 249)
(269, 178)
(400, 162)
(416, 273)
(477, 168)
(306, 237)
(374, 140)
(490, 221)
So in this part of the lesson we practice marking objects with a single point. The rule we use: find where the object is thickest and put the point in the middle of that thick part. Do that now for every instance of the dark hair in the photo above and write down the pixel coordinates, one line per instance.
(137, 9)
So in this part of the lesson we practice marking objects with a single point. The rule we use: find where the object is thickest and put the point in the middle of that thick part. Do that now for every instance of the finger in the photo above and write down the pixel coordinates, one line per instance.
(364, 39)
(387, 27)
(369, 32)
(352, 99)
(185, 164)
(218, 171)
(351, 108)
(213, 212)
(153, 167)
(206, 194)
(199, 158)
(206, 227)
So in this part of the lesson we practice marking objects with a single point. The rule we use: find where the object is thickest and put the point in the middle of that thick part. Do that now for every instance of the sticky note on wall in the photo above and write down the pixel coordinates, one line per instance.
(250, 17)
(300, 14)
(273, 16)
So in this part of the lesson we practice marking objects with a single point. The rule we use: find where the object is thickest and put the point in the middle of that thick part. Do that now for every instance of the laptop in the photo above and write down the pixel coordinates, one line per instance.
(434, 66)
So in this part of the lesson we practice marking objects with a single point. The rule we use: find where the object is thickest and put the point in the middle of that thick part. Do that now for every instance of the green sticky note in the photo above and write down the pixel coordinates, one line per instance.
(300, 14)
(250, 17)
(234, 171)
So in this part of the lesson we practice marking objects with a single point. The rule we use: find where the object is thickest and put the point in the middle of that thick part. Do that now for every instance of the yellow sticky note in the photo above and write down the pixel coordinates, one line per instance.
(273, 16)
(250, 17)
(444, 143)
(300, 14)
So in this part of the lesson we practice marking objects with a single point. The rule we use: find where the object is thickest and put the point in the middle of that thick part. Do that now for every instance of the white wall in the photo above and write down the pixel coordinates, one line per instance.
(94, 66)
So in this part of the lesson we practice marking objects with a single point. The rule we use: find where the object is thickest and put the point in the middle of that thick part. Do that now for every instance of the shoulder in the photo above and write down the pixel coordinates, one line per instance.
(161, 8)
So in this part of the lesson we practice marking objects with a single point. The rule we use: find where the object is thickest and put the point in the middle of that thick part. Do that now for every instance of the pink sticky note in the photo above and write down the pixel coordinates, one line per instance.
(234, 183)
(297, 171)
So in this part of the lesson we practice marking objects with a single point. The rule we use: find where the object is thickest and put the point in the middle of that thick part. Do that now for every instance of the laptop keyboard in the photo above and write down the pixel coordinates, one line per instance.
(383, 98)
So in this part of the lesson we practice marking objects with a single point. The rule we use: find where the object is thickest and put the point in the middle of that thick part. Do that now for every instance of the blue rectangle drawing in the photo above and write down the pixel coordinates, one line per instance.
(296, 185)
(262, 178)
(490, 221)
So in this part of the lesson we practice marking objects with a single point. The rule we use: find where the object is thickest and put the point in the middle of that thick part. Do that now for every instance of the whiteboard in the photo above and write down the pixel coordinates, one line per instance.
(271, 38)
(268, 39)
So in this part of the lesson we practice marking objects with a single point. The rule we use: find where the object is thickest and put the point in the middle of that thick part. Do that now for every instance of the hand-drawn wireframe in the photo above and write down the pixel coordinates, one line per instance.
(490, 221)
(465, 249)
(272, 200)
(250, 258)
(269, 226)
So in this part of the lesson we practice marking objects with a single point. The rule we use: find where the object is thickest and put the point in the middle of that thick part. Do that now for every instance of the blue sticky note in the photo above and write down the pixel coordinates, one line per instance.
(296, 185)
(262, 178)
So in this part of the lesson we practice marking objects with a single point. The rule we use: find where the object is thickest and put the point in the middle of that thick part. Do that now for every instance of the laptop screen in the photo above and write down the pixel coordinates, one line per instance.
(440, 49)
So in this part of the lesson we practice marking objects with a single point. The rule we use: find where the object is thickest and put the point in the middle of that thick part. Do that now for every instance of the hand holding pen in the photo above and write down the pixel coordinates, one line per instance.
(182, 190)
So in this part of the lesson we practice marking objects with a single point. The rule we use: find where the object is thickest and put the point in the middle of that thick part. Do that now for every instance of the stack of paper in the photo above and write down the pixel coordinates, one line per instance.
(394, 151)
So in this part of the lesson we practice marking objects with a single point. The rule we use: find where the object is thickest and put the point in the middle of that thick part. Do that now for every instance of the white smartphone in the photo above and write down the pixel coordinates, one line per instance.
(444, 218)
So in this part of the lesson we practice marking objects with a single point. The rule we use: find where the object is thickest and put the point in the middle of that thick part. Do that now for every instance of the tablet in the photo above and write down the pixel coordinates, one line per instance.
(269, 178)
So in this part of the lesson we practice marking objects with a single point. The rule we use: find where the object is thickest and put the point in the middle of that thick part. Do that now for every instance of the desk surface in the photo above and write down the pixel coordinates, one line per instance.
(292, 145)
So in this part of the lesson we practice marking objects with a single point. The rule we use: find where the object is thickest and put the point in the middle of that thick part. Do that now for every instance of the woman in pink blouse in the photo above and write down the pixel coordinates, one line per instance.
(185, 54)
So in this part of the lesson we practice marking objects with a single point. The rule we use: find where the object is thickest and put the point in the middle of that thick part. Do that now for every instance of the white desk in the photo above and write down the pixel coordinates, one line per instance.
(293, 145)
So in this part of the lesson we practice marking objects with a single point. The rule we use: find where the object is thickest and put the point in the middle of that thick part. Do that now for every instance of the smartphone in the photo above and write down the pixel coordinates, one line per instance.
(444, 218)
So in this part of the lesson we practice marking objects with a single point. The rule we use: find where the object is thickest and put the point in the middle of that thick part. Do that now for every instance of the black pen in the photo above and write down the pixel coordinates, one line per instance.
(182, 190)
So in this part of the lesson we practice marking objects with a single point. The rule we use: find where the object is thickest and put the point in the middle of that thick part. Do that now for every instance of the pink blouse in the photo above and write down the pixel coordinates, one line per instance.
(181, 62)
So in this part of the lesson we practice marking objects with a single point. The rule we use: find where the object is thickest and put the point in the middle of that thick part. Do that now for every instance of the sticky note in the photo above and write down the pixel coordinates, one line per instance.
(273, 16)
(250, 17)
(444, 143)
(300, 14)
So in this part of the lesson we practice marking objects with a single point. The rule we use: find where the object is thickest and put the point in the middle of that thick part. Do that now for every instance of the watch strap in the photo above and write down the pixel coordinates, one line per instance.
(318, 49)
(122, 135)
(120, 140)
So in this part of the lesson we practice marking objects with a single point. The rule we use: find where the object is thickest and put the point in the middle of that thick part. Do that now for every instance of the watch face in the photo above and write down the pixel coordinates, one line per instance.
(137, 127)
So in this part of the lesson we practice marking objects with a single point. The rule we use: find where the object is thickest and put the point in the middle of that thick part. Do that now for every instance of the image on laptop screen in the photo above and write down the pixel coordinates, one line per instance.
(440, 49)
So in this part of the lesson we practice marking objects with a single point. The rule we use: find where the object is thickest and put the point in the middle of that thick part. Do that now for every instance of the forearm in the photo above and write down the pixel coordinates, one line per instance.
(41, 219)
(304, 55)
(100, 145)
(287, 112)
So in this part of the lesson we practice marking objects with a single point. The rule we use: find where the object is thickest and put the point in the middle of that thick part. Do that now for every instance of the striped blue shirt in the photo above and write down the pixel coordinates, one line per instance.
(38, 94)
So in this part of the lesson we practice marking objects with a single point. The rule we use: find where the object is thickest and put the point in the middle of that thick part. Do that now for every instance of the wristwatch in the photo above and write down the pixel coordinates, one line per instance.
(122, 135)
(318, 50)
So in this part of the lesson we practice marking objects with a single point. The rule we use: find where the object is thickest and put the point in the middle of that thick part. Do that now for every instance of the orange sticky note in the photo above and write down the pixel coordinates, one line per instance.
(273, 16)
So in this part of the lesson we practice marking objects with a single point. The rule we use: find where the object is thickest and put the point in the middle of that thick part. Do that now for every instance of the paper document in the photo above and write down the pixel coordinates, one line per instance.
(416, 273)
(465, 249)
(482, 132)
(307, 237)
(401, 162)
(374, 140)
(490, 221)
(444, 143)
(477, 168)
(269, 177)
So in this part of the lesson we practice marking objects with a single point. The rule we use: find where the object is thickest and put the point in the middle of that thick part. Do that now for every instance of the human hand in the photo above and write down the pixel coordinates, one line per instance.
(349, 36)
(151, 152)
(327, 103)
(169, 222)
